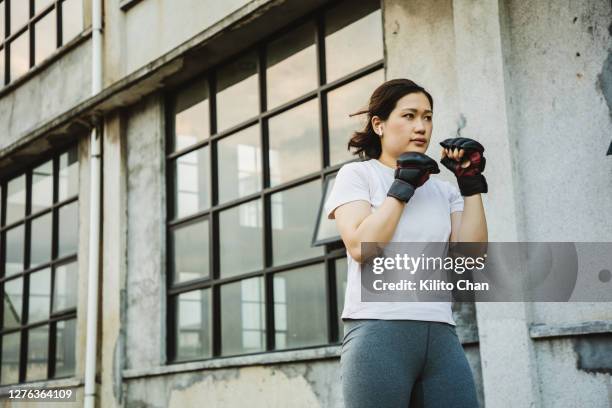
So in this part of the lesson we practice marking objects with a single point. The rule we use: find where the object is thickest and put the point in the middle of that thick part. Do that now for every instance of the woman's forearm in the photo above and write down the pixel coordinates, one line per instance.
(473, 221)
(380, 225)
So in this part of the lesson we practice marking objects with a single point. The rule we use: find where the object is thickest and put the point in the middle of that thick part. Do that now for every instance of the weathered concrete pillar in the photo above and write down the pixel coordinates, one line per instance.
(508, 365)
(114, 262)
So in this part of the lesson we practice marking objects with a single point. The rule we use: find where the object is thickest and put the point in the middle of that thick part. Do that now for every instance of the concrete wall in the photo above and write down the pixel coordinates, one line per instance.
(55, 89)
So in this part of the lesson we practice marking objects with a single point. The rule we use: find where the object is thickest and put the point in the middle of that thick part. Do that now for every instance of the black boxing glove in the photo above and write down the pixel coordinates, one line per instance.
(470, 179)
(412, 171)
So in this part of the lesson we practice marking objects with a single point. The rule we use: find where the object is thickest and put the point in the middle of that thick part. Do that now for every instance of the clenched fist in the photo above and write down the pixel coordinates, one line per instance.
(464, 157)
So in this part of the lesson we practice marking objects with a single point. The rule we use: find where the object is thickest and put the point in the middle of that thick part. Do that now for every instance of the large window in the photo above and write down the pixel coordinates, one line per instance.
(249, 147)
(31, 30)
(38, 271)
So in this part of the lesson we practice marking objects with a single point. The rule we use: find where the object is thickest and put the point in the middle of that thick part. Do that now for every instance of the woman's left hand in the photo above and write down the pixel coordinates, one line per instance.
(464, 157)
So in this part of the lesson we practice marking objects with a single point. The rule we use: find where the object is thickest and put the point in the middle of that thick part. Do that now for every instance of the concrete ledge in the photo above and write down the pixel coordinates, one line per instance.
(47, 385)
(127, 4)
(276, 357)
(544, 331)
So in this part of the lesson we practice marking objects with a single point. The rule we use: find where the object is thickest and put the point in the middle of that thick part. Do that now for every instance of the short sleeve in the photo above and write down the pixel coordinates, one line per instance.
(454, 198)
(351, 184)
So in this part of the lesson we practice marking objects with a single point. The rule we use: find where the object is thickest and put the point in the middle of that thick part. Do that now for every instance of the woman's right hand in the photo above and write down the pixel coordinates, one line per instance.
(412, 171)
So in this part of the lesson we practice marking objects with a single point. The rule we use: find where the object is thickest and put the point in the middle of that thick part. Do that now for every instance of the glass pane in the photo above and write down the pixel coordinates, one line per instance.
(13, 295)
(45, 37)
(191, 121)
(353, 39)
(15, 242)
(68, 229)
(20, 56)
(69, 174)
(239, 161)
(326, 228)
(2, 26)
(10, 358)
(343, 101)
(299, 307)
(72, 19)
(243, 317)
(294, 213)
(16, 199)
(292, 66)
(237, 92)
(38, 345)
(192, 182)
(341, 271)
(240, 234)
(40, 296)
(191, 251)
(40, 246)
(295, 148)
(20, 14)
(65, 348)
(193, 337)
(39, 5)
(42, 187)
(1, 64)
(65, 289)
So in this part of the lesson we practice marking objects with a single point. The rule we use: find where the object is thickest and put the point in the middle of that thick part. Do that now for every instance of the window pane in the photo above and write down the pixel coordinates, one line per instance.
(299, 307)
(191, 121)
(2, 27)
(13, 295)
(65, 289)
(239, 161)
(40, 296)
(343, 101)
(42, 187)
(294, 213)
(16, 199)
(40, 244)
(341, 271)
(20, 14)
(68, 229)
(292, 66)
(1, 63)
(240, 234)
(10, 358)
(191, 251)
(20, 56)
(45, 37)
(243, 317)
(237, 92)
(294, 143)
(38, 343)
(65, 348)
(192, 182)
(353, 38)
(193, 335)
(72, 19)
(326, 228)
(15, 242)
(39, 5)
(69, 174)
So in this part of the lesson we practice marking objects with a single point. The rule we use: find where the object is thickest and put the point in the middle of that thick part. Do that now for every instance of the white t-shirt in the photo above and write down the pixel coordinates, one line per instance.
(426, 218)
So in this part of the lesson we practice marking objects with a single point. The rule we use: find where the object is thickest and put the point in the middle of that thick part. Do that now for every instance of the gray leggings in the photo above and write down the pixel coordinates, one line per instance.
(404, 363)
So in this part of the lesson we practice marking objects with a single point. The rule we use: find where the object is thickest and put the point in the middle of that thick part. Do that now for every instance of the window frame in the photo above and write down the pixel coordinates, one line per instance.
(333, 250)
(54, 318)
(29, 29)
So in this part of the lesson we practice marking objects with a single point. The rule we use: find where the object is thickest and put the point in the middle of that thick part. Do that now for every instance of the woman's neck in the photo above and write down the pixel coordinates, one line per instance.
(387, 160)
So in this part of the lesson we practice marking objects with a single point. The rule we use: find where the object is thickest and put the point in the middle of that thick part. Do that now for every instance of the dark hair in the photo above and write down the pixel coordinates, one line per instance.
(383, 100)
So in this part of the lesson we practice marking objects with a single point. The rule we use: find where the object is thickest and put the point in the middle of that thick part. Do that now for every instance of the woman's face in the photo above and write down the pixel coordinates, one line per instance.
(408, 128)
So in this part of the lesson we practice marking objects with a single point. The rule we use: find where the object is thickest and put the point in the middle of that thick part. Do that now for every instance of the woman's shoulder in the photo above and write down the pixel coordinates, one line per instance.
(359, 168)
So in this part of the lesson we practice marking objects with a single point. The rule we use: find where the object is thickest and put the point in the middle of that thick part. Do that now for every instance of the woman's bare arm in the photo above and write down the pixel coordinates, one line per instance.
(471, 224)
(357, 223)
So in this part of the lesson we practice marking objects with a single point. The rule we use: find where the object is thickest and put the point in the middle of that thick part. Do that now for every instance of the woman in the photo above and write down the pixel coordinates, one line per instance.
(404, 354)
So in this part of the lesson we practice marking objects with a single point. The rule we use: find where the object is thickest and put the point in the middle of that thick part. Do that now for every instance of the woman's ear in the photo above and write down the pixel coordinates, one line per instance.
(377, 125)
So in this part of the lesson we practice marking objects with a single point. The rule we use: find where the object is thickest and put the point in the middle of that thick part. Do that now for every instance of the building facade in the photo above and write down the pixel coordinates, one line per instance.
(222, 123)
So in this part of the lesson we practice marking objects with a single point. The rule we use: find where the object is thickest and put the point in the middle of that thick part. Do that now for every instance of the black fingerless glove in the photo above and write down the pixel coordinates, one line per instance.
(470, 179)
(412, 171)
